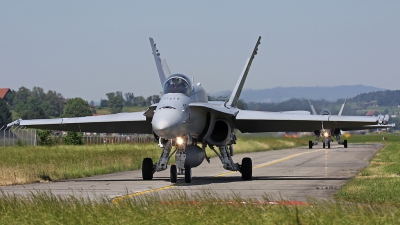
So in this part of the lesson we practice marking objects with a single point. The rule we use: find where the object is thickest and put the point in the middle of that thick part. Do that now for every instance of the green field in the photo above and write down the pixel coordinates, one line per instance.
(28, 164)
(373, 197)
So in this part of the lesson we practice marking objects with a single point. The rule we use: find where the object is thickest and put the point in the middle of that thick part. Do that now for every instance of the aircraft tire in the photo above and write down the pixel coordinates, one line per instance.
(329, 145)
(246, 169)
(345, 143)
(188, 174)
(323, 145)
(310, 144)
(173, 174)
(147, 169)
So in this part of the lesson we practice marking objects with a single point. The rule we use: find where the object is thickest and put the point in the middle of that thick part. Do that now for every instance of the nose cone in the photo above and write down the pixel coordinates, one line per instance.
(167, 123)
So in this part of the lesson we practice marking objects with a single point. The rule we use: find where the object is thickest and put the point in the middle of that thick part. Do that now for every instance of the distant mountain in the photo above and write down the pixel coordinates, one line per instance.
(280, 94)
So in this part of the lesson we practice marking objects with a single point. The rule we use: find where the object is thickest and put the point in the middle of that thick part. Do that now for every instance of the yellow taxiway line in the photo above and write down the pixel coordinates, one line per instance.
(120, 198)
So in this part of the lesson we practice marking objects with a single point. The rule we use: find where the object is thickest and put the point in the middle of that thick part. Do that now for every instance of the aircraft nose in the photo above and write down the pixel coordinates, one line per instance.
(166, 123)
(161, 127)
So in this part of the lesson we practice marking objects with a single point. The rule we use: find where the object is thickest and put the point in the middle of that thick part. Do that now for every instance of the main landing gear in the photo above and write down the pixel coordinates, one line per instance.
(246, 169)
(225, 154)
(327, 144)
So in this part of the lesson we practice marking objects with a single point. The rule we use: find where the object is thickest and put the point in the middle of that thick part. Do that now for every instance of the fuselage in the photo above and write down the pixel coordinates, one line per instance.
(173, 117)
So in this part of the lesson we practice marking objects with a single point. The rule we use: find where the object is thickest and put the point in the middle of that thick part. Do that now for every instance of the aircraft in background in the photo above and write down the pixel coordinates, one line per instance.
(184, 122)
(327, 134)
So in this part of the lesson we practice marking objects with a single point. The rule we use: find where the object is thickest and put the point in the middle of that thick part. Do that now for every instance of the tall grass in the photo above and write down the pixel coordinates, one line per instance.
(204, 208)
(179, 208)
(380, 181)
(27, 164)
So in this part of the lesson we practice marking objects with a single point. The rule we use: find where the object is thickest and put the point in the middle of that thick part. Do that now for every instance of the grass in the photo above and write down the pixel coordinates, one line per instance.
(380, 181)
(106, 110)
(28, 164)
(179, 208)
(370, 198)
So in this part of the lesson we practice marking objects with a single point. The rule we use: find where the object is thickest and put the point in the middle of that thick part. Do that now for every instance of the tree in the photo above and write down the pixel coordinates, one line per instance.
(76, 107)
(9, 98)
(129, 99)
(103, 103)
(31, 109)
(55, 101)
(36, 112)
(73, 138)
(5, 114)
(45, 137)
(115, 101)
(140, 101)
(38, 93)
(21, 96)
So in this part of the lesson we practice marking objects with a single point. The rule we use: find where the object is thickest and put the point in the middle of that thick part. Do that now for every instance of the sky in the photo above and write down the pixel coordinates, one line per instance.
(90, 48)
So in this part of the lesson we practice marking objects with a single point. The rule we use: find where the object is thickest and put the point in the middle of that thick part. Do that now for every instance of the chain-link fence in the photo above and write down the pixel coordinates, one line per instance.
(21, 136)
(17, 136)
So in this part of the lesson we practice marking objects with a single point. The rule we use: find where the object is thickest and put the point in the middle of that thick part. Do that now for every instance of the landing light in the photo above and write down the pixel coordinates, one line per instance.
(326, 134)
(179, 140)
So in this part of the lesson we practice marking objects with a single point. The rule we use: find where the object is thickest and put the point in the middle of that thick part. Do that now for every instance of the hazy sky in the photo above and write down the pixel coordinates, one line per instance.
(89, 48)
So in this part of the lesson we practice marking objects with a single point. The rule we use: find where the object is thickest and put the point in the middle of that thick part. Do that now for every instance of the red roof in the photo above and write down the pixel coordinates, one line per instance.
(370, 113)
(3, 92)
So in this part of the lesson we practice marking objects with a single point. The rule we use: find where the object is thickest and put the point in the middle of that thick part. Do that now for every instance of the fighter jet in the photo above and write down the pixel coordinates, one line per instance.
(326, 134)
(184, 122)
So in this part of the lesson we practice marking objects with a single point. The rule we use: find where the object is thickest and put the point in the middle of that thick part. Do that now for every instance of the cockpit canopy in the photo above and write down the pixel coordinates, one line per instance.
(325, 112)
(178, 83)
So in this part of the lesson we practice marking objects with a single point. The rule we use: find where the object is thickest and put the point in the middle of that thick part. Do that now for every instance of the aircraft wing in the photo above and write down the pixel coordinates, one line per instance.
(377, 126)
(134, 122)
(248, 121)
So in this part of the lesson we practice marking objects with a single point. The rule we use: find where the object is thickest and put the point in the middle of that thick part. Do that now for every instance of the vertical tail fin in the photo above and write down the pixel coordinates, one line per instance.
(165, 67)
(312, 108)
(157, 59)
(233, 100)
(341, 109)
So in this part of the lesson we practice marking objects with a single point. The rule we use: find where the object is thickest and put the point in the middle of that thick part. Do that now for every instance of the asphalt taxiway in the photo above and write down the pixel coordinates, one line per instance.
(291, 174)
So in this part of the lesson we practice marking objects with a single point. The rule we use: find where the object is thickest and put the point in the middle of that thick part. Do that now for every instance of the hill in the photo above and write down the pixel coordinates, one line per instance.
(280, 94)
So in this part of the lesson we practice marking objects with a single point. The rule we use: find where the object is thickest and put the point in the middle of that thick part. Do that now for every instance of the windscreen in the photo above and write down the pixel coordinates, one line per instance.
(178, 83)
(325, 112)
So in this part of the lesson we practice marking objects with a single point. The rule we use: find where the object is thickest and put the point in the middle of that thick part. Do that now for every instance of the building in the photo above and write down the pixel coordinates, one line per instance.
(371, 113)
(4, 91)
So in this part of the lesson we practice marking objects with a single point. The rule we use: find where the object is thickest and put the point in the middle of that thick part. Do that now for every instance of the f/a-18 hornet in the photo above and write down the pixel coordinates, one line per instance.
(185, 123)
(326, 134)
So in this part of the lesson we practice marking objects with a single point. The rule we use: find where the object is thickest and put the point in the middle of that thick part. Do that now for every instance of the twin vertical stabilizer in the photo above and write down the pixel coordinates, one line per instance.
(341, 109)
(312, 108)
(233, 100)
(162, 67)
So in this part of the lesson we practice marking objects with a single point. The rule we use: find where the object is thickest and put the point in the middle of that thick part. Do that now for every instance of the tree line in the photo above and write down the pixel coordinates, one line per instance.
(37, 104)
(117, 100)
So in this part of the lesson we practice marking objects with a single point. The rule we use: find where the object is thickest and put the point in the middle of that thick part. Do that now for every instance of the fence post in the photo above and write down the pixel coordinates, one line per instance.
(35, 138)
(4, 136)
